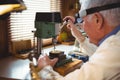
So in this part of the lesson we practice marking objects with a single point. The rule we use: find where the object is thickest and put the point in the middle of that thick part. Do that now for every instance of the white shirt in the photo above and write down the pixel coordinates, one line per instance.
(87, 47)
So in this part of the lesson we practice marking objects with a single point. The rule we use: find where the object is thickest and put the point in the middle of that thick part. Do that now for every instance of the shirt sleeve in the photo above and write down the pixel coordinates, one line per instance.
(87, 47)
(84, 73)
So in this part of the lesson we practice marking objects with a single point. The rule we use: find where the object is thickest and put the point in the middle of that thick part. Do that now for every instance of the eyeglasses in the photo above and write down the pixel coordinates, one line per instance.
(86, 12)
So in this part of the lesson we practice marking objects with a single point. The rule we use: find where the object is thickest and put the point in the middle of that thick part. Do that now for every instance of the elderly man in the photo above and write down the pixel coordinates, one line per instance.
(101, 22)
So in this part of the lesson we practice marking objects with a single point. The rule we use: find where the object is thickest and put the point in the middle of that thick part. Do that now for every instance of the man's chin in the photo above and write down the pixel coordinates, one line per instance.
(93, 42)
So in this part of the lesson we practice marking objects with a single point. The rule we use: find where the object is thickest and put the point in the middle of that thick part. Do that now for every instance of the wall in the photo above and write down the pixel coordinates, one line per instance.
(68, 8)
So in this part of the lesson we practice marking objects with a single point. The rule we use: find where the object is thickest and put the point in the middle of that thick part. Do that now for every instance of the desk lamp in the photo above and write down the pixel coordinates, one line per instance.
(45, 28)
(7, 6)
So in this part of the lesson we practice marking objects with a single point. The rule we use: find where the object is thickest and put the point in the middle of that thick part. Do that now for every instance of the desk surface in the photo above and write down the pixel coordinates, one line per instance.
(12, 67)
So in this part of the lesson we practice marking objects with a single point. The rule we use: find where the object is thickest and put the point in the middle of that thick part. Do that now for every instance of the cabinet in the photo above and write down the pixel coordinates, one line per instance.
(3, 37)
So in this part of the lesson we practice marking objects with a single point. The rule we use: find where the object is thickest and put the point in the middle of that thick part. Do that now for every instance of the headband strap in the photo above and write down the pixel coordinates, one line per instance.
(101, 8)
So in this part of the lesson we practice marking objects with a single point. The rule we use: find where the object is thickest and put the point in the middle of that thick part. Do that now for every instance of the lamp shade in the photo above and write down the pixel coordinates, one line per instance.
(48, 17)
(10, 2)
(7, 6)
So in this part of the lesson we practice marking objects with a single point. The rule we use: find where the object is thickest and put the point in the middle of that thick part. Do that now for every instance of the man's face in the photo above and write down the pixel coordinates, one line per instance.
(90, 28)
(88, 25)
(97, 22)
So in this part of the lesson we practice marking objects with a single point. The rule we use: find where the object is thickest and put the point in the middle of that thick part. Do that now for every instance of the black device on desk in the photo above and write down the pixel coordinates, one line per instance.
(62, 58)
(80, 57)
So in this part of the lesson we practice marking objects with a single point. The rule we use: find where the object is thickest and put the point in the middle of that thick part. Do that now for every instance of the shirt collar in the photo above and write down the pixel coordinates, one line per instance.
(108, 35)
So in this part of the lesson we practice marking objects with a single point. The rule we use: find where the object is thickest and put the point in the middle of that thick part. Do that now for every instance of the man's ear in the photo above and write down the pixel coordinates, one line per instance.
(98, 20)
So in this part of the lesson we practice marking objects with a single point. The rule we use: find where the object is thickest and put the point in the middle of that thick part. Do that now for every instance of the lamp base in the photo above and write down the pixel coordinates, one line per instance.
(62, 58)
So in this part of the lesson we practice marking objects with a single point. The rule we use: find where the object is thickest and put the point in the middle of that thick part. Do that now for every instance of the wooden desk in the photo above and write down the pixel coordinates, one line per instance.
(69, 67)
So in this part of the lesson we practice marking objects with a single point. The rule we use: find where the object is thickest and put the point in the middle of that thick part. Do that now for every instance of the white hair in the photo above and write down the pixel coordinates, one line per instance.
(112, 16)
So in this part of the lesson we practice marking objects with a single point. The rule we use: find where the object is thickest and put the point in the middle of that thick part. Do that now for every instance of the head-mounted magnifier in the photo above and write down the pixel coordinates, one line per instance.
(86, 12)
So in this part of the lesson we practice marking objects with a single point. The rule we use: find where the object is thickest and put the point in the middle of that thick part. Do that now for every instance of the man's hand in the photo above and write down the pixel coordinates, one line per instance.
(69, 18)
(75, 32)
(45, 61)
